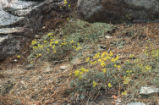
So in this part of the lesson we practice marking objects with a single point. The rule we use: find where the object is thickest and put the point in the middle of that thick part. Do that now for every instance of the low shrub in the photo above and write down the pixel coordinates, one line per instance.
(51, 48)
(105, 72)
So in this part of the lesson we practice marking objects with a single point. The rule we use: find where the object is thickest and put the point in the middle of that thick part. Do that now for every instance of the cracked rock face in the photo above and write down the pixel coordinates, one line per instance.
(20, 20)
(13, 33)
(117, 11)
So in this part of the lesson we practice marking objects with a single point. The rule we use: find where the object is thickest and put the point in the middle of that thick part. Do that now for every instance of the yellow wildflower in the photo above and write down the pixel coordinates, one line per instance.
(87, 59)
(40, 46)
(53, 46)
(45, 41)
(104, 54)
(69, 6)
(56, 42)
(52, 40)
(77, 73)
(94, 84)
(35, 47)
(93, 62)
(71, 41)
(84, 69)
(103, 64)
(148, 68)
(64, 43)
(33, 42)
(115, 59)
(96, 55)
(18, 56)
(124, 93)
(131, 55)
(99, 60)
(129, 71)
(106, 58)
(81, 73)
(65, 2)
(78, 48)
(109, 85)
(126, 80)
(110, 53)
(49, 34)
(104, 70)
(40, 55)
(117, 66)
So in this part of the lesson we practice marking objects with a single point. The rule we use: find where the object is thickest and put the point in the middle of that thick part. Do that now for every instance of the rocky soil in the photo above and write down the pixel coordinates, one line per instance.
(48, 83)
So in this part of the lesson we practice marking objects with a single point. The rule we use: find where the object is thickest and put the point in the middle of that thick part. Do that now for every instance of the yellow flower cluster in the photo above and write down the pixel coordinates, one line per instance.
(94, 83)
(124, 93)
(126, 80)
(34, 42)
(155, 53)
(78, 47)
(50, 45)
(145, 68)
(148, 67)
(18, 56)
(66, 3)
(79, 73)
(102, 59)
(109, 85)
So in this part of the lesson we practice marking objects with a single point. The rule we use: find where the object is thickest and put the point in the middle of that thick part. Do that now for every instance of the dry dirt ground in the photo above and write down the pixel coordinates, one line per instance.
(46, 84)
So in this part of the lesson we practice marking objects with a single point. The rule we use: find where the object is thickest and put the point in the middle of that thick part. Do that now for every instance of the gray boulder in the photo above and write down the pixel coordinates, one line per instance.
(117, 11)
(21, 20)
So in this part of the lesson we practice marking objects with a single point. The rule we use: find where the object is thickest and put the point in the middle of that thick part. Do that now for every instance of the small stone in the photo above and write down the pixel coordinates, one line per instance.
(118, 101)
(136, 103)
(15, 60)
(29, 66)
(48, 69)
(63, 67)
(108, 37)
(148, 90)
(37, 36)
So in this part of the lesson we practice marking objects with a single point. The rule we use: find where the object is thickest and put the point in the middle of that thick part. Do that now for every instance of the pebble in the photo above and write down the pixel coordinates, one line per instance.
(148, 90)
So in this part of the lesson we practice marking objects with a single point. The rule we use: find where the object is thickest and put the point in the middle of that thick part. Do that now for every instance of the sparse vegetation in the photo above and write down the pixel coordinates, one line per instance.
(103, 71)
(128, 60)
(73, 36)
